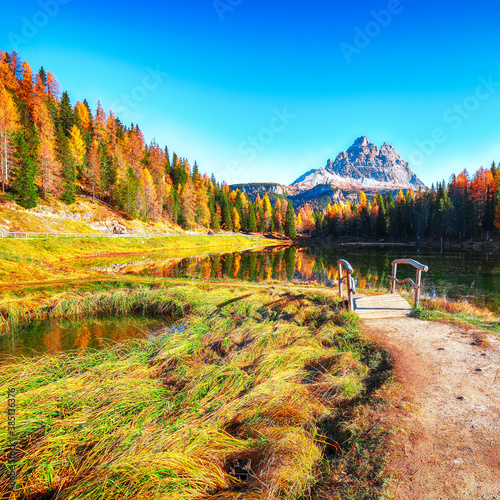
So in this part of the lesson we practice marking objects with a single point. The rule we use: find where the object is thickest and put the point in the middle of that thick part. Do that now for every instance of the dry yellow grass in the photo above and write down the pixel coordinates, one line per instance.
(227, 406)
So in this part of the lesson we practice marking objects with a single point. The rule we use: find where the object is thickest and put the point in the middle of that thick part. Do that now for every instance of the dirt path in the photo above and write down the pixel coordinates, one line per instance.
(448, 446)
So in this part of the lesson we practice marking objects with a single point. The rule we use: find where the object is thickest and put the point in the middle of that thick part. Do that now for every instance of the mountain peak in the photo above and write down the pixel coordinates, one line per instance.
(361, 142)
(364, 166)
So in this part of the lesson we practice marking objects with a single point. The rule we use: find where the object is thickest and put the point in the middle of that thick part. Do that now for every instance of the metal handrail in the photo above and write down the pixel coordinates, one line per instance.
(415, 285)
(348, 280)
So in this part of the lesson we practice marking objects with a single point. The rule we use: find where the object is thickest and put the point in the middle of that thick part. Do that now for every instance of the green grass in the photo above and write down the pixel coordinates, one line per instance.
(55, 258)
(459, 313)
(236, 403)
(142, 301)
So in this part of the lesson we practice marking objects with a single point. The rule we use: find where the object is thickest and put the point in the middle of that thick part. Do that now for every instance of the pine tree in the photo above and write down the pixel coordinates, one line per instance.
(66, 118)
(26, 170)
(252, 221)
(26, 87)
(15, 64)
(187, 204)
(381, 221)
(93, 173)
(100, 123)
(488, 221)
(66, 159)
(196, 173)
(53, 87)
(168, 167)
(290, 221)
(277, 217)
(43, 76)
(214, 216)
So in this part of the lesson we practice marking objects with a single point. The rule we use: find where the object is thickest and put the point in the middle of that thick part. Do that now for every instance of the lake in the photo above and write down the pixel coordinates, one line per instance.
(471, 276)
(51, 337)
(474, 276)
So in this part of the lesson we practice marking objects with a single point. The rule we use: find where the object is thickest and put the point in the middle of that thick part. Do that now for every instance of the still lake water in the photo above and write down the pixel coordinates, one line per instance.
(452, 274)
(474, 276)
(50, 337)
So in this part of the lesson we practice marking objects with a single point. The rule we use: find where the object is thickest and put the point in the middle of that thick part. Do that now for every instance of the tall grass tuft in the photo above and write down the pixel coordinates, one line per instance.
(143, 301)
(228, 406)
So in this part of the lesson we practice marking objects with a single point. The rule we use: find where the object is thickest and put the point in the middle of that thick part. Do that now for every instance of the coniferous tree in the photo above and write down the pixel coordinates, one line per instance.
(43, 76)
(252, 221)
(65, 118)
(381, 222)
(488, 221)
(68, 170)
(226, 210)
(26, 169)
(9, 122)
(168, 167)
(15, 64)
(214, 216)
(290, 221)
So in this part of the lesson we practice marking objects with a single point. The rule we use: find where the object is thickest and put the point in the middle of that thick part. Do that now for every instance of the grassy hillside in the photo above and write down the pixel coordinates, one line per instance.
(84, 216)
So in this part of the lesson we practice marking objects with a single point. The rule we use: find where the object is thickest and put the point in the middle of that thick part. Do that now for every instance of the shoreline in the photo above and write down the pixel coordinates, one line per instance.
(492, 245)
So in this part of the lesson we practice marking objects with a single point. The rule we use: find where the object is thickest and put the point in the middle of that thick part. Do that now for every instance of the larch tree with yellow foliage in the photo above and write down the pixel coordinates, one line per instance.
(236, 220)
(50, 168)
(363, 202)
(268, 213)
(77, 147)
(201, 201)
(9, 122)
(150, 200)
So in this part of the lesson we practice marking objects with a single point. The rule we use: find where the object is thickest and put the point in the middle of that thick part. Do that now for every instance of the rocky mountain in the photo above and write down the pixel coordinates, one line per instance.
(363, 166)
(262, 188)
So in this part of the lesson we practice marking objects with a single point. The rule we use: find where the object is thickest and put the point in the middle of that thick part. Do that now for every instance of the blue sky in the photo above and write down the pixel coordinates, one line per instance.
(263, 91)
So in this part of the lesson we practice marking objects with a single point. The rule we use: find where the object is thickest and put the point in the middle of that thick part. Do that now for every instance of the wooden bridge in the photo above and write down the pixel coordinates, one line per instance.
(390, 305)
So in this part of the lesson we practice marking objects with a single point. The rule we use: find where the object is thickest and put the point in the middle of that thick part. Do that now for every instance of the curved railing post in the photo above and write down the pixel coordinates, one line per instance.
(348, 280)
(416, 285)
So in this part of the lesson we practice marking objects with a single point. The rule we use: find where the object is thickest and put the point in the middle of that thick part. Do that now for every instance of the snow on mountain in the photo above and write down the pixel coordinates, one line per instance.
(363, 166)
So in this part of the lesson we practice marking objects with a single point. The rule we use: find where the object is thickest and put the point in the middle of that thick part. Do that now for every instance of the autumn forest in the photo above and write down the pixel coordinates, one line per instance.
(52, 148)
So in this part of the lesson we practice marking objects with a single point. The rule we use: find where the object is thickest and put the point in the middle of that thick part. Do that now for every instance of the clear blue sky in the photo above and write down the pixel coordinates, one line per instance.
(260, 90)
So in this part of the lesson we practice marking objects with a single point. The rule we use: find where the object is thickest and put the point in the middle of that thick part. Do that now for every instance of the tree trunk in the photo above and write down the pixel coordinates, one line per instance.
(44, 180)
(6, 156)
(4, 163)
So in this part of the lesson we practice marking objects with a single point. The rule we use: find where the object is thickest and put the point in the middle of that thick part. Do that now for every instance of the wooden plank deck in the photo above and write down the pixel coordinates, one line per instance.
(382, 306)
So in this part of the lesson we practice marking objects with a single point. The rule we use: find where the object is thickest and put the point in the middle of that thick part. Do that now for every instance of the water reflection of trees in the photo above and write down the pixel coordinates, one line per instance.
(448, 276)
(281, 264)
(49, 337)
